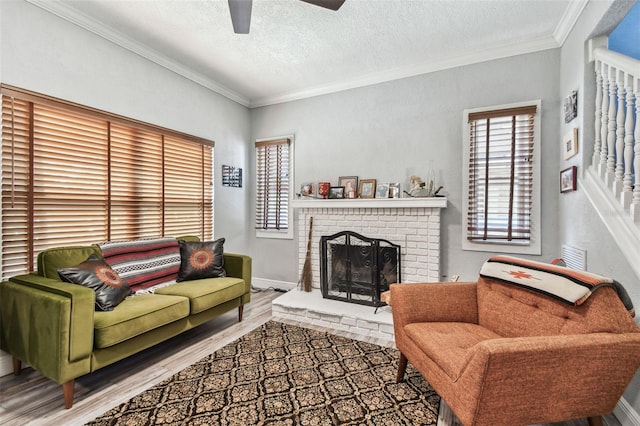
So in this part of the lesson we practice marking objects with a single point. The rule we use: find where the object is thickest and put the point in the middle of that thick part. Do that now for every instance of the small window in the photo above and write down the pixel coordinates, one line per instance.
(273, 187)
(502, 179)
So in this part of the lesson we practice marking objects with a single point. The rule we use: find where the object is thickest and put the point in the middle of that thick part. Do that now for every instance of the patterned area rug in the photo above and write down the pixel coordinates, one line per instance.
(279, 374)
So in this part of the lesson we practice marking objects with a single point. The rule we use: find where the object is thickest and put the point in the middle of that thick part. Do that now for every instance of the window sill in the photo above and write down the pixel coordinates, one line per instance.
(276, 235)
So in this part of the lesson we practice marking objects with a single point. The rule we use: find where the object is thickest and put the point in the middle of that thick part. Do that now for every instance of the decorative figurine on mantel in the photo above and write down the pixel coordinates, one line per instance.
(419, 188)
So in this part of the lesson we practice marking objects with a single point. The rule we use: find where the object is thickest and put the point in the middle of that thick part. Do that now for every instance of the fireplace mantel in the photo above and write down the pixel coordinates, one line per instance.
(371, 203)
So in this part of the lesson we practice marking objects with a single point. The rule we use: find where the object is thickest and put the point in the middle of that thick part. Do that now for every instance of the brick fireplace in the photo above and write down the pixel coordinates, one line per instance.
(413, 223)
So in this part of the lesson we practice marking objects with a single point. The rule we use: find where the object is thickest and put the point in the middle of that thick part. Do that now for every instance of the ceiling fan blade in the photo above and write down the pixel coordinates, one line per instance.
(327, 4)
(240, 15)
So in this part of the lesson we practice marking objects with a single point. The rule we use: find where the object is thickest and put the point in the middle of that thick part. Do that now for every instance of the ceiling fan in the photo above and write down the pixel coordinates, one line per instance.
(241, 12)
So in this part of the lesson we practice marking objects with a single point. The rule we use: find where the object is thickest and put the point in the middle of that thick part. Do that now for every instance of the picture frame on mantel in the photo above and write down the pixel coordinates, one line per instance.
(336, 192)
(382, 190)
(568, 179)
(367, 188)
(350, 184)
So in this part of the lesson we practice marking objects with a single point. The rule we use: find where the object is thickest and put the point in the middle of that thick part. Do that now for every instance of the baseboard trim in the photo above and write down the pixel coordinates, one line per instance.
(6, 363)
(266, 283)
(625, 414)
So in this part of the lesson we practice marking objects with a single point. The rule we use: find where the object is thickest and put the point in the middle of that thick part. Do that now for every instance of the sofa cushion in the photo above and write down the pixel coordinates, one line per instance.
(143, 263)
(206, 293)
(202, 259)
(52, 259)
(448, 344)
(94, 273)
(137, 315)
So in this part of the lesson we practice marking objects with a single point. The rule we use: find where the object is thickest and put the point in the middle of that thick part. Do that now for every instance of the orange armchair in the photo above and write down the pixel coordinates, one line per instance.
(500, 354)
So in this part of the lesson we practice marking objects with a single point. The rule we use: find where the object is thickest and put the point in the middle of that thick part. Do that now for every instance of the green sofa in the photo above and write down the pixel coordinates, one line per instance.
(53, 326)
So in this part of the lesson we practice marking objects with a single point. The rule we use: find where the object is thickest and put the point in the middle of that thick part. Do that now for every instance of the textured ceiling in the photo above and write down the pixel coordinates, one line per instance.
(296, 50)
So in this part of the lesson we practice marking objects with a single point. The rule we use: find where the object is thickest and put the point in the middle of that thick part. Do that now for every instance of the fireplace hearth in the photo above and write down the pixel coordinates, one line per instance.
(356, 269)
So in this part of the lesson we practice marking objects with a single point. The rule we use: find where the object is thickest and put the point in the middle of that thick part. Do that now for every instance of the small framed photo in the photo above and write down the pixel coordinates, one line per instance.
(571, 106)
(570, 143)
(308, 189)
(382, 190)
(568, 178)
(367, 188)
(336, 192)
(350, 184)
(394, 190)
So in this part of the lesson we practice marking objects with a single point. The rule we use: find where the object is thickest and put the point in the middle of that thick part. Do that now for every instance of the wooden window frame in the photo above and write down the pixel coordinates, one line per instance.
(273, 230)
(67, 162)
(510, 240)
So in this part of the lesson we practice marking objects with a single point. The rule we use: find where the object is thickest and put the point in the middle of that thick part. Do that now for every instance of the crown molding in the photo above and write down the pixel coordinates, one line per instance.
(72, 15)
(568, 20)
(411, 71)
(560, 34)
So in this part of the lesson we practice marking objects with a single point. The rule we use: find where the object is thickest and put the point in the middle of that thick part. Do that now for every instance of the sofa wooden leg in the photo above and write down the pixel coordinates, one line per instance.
(595, 421)
(240, 311)
(402, 366)
(67, 390)
(17, 366)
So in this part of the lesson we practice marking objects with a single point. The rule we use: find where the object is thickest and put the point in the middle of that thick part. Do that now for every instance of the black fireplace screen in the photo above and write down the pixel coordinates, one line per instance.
(357, 269)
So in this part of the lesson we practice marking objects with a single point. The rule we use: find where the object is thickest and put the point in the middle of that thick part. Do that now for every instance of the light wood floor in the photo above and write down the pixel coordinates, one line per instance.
(31, 399)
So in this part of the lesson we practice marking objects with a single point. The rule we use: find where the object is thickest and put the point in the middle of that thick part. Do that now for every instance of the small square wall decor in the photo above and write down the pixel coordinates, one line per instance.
(570, 143)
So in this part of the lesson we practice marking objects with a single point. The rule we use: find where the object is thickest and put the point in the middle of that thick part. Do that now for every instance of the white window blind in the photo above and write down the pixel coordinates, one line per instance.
(501, 175)
(272, 184)
(75, 177)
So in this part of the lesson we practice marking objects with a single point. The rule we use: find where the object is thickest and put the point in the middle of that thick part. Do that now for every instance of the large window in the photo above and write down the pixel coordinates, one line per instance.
(273, 187)
(73, 175)
(502, 185)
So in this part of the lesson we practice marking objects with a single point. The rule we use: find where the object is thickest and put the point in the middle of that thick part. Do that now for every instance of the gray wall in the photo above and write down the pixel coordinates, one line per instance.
(46, 54)
(392, 130)
(580, 225)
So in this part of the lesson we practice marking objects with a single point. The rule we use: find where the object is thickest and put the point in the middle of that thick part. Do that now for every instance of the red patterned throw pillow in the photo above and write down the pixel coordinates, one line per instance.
(202, 259)
(94, 273)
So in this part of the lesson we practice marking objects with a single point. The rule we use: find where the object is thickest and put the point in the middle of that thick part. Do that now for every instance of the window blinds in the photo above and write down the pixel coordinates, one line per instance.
(272, 185)
(70, 178)
(501, 175)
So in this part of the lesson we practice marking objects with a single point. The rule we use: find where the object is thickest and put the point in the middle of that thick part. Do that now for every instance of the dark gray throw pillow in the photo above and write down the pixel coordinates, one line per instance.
(94, 273)
(202, 259)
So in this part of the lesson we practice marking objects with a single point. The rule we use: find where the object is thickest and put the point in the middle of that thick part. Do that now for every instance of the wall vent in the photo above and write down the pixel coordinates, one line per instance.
(575, 258)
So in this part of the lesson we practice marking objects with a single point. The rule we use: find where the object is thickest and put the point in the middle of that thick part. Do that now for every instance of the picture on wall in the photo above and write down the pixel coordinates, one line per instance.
(568, 178)
(570, 143)
(232, 176)
(571, 106)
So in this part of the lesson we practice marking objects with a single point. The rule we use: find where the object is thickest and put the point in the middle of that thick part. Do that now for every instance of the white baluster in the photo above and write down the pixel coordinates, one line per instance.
(604, 118)
(598, 117)
(627, 182)
(611, 134)
(635, 203)
(620, 122)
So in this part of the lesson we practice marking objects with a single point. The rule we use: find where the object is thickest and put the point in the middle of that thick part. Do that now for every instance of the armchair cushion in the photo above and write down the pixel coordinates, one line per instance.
(448, 343)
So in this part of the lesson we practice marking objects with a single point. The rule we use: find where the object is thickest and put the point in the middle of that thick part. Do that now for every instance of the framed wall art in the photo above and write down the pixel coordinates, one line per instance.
(231, 176)
(568, 178)
(571, 106)
(570, 143)
(367, 188)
